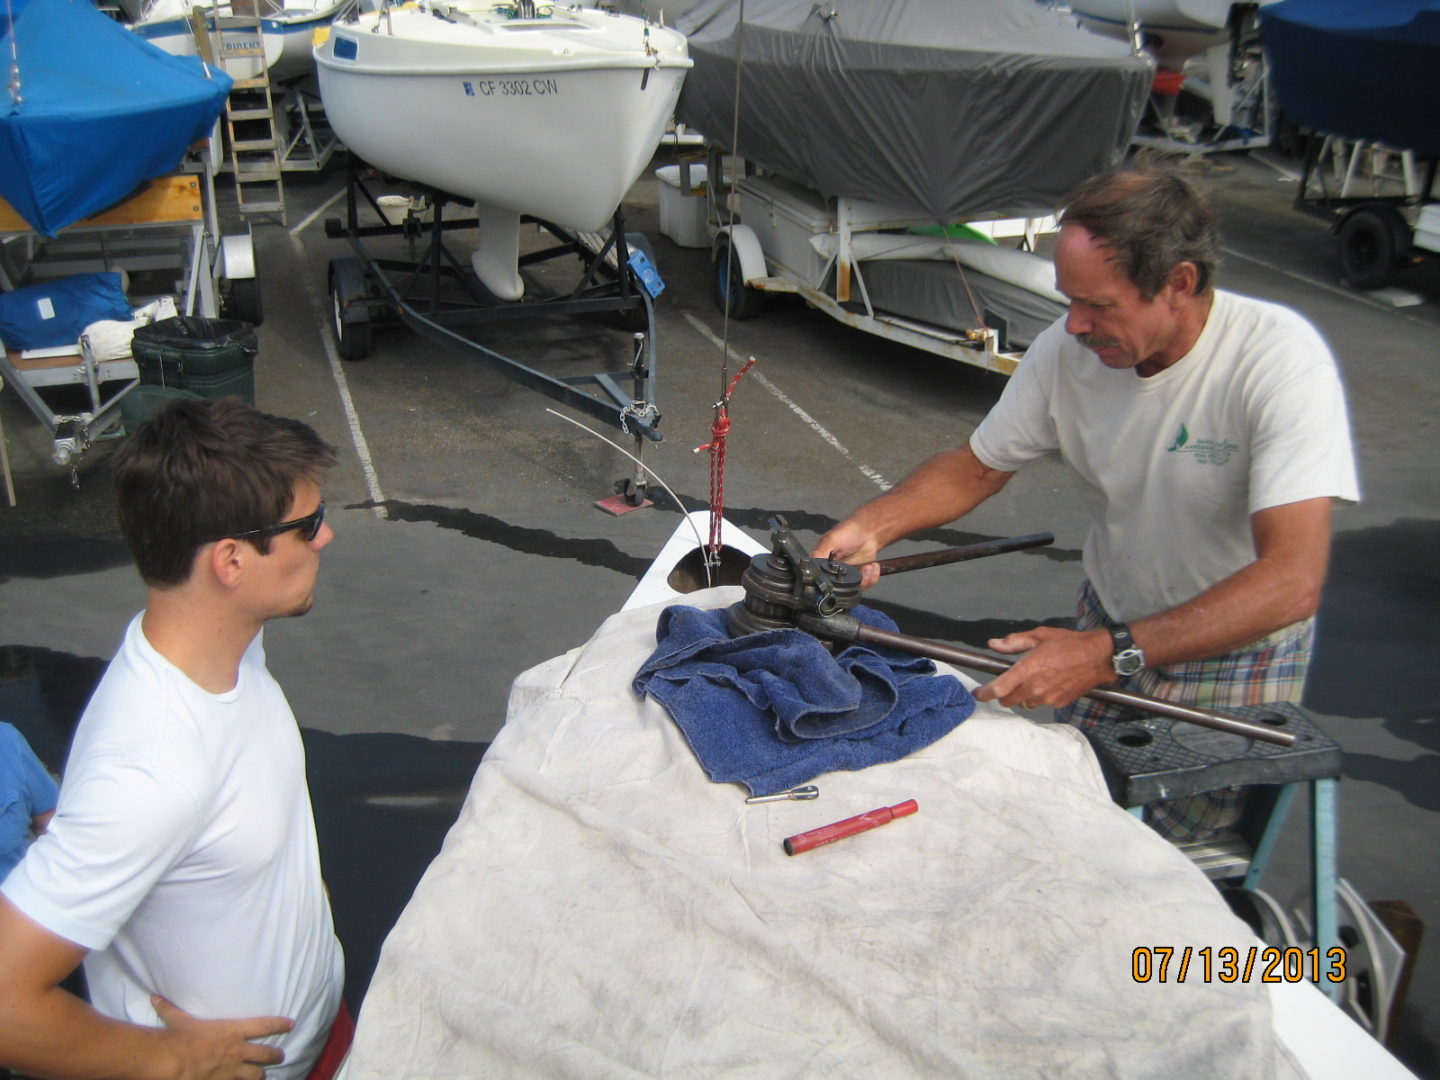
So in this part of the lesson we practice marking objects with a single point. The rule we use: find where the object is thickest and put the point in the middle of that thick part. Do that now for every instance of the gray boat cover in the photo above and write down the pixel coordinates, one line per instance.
(939, 294)
(955, 109)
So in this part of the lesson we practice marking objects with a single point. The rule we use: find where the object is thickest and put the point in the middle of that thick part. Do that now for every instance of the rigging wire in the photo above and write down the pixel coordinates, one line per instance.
(699, 540)
(729, 197)
(965, 281)
(720, 425)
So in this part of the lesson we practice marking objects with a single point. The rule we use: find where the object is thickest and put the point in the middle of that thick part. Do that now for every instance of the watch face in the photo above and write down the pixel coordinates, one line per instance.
(1128, 661)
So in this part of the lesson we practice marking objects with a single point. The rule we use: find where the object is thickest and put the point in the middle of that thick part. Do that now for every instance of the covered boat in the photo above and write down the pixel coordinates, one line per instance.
(525, 108)
(1359, 71)
(961, 109)
(93, 112)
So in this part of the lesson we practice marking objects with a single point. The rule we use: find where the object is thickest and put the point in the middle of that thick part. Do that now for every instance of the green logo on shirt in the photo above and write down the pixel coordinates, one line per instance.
(1206, 451)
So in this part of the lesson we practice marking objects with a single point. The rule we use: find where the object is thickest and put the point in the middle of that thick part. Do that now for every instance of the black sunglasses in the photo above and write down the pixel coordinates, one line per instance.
(309, 525)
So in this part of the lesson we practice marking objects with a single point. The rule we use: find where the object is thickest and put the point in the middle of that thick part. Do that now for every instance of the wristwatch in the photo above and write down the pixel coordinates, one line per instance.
(1128, 658)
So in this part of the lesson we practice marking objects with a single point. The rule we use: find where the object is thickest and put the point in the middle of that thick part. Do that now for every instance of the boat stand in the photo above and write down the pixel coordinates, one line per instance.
(306, 141)
(437, 295)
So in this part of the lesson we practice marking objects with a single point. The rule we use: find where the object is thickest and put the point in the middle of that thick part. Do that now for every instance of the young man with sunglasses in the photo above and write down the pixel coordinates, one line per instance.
(181, 866)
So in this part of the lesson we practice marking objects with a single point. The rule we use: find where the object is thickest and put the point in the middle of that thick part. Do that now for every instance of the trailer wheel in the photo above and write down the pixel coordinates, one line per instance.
(731, 294)
(630, 491)
(1371, 241)
(352, 335)
(245, 301)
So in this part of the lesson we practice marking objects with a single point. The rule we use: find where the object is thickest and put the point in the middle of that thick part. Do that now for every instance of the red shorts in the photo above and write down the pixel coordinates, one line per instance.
(332, 1054)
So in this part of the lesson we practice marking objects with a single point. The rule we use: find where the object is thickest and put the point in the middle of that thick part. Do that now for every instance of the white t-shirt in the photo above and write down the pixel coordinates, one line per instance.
(1171, 467)
(183, 854)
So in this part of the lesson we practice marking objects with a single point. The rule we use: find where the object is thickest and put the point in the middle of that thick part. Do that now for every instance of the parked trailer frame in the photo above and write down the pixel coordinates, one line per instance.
(833, 281)
(1377, 235)
(367, 288)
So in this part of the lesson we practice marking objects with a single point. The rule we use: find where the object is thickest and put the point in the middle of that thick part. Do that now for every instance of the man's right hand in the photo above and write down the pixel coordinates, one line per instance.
(221, 1049)
(850, 542)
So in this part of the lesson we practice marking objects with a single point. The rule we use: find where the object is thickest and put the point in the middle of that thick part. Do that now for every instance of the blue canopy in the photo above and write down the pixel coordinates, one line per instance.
(99, 110)
(1358, 70)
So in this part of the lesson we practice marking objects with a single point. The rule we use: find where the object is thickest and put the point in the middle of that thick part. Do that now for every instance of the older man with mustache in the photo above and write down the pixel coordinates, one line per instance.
(1208, 435)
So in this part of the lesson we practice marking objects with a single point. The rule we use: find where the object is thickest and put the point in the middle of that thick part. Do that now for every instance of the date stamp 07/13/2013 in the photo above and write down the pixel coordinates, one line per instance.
(1254, 963)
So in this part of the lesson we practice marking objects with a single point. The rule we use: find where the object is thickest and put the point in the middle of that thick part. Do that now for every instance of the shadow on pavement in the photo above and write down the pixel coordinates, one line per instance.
(383, 804)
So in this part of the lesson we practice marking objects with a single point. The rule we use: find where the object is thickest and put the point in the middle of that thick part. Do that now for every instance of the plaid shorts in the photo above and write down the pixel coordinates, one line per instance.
(1271, 669)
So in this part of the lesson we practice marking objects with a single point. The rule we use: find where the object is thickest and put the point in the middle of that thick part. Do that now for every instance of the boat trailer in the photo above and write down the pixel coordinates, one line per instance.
(1382, 204)
(439, 297)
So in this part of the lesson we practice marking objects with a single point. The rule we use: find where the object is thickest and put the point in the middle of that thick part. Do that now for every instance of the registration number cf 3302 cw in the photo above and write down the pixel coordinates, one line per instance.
(493, 88)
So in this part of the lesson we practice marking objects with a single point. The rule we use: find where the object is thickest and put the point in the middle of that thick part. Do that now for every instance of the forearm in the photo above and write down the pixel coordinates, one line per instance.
(943, 488)
(1280, 587)
(48, 1032)
(1060, 665)
(56, 1035)
(1255, 601)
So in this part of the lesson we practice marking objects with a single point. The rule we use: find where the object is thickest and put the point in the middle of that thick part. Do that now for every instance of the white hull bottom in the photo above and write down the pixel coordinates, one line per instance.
(564, 146)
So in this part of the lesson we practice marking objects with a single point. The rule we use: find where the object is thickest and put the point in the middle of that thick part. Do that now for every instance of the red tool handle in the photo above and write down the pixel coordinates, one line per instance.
(828, 834)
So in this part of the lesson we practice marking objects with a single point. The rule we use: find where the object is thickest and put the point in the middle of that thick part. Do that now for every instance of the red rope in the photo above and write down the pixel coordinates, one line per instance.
(719, 434)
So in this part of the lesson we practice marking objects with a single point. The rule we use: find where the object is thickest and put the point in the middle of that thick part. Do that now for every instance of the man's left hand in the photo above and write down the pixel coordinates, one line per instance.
(1058, 666)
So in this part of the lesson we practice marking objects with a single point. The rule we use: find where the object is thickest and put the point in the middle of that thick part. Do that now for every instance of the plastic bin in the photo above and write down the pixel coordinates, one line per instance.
(682, 210)
(145, 401)
(210, 357)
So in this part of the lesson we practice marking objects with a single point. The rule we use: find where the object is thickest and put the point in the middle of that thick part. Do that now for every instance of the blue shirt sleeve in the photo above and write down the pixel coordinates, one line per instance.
(21, 770)
(26, 789)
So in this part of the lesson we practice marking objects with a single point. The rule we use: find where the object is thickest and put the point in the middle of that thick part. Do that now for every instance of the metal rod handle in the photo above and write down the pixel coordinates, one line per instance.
(979, 661)
(901, 563)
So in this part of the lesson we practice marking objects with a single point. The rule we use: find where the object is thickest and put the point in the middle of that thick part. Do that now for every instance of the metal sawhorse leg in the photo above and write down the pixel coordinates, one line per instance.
(1324, 862)
(1148, 759)
(1270, 805)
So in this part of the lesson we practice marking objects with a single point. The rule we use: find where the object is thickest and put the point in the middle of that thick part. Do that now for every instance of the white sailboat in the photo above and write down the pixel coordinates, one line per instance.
(525, 108)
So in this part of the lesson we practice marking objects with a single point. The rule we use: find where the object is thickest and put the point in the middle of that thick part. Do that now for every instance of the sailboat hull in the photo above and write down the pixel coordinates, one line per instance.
(558, 129)
(287, 38)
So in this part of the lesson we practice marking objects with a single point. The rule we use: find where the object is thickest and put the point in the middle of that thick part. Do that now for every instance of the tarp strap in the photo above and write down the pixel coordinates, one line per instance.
(975, 308)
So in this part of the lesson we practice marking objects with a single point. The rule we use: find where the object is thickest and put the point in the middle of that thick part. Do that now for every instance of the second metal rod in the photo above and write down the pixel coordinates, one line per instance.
(978, 661)
(900, 563)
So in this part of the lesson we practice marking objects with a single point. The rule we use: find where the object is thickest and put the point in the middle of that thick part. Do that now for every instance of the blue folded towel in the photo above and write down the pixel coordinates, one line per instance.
(775, 709)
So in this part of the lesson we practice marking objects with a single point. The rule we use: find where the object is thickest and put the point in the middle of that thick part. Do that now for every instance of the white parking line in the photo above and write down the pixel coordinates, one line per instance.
(298, 229)
(815, 425)
(337, 372)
